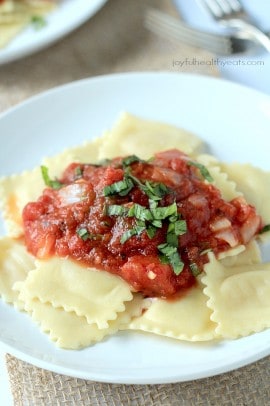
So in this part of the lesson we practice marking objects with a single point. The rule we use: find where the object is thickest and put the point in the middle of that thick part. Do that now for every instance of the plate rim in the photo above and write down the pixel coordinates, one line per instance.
(111, 76)
(124, 379)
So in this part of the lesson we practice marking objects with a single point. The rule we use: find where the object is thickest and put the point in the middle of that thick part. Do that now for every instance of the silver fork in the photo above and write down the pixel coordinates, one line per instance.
(231, 14)
(169, 27)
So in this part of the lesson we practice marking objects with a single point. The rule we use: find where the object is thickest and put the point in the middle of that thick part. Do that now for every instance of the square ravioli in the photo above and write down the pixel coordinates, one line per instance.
(96, 295)
(187, 318)
(239, 297)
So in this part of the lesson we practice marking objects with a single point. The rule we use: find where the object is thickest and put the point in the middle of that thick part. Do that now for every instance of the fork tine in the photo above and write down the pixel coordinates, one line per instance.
(239, 20)
(236, 5)
(219, 8)
(167, 26)
(212, 7)
(155, 16)
(224, 6)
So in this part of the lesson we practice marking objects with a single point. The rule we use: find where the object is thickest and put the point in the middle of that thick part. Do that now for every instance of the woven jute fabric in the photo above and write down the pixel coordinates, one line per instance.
(114, 40)
(246, 386)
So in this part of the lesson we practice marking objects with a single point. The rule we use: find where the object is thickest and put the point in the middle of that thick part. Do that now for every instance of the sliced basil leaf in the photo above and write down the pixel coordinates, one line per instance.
(38, 22)
(265, 229)
(157, 223)
(180, 227)
(203, 170)
(161, 213)
(151, 231)
(54, 184)
(116, 210)
(172, 239)
(127, 235)
(130, 160)
(173, 257)
(83, 233)
(194, 269)
(140, 212)
(78, 172)
(166, 249)
(137, 230)
(176, 263)
(122, 187)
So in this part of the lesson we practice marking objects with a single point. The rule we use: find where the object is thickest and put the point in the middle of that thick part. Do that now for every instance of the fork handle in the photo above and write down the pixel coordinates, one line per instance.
(249, 31)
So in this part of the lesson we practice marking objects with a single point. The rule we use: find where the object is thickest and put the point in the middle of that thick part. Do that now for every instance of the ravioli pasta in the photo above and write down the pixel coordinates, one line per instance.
(185, 319)
(221, 179)
(96, 295)
(70, 331)
(129, 136)
(16, 15)
(239, 297)
(78, 307)
(15, 263)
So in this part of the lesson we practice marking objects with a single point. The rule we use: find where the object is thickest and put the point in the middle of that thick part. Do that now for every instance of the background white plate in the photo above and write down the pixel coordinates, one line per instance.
(234, 120)
(253, 68)
(69, 15)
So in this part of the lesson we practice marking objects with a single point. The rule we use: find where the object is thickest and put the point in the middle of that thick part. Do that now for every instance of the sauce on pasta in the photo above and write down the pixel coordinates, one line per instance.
(150, 222)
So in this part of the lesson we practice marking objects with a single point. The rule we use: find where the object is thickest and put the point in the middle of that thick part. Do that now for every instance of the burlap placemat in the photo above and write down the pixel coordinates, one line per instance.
(32, 386)
(113, 41)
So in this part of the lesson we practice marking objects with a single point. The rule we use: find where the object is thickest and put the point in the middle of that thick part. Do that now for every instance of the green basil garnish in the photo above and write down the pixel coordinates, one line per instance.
(203, 170)
(54, 184)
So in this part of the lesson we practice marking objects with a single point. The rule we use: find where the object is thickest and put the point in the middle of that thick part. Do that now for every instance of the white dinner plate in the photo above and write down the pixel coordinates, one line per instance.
(250, 69)
(233, 120)
(68, 15)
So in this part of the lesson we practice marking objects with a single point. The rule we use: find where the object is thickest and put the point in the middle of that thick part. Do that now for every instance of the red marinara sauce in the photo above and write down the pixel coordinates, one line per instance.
(150, 222)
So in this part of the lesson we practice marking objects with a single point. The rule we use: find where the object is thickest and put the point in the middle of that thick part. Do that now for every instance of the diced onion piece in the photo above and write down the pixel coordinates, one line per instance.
(166, 174)
(73, 193)
(197, 200)
(220, 224)
(151, 275)
(229, 236)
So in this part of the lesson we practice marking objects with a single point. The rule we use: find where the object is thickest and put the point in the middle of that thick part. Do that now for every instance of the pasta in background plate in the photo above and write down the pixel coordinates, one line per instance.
(16, 15)
(236, 279)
